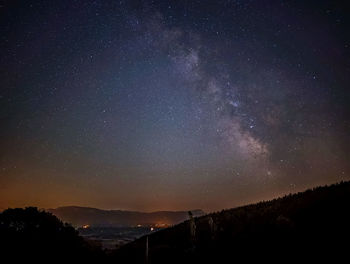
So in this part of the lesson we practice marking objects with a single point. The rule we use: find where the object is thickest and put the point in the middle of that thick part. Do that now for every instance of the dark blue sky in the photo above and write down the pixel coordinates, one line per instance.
(151, 105)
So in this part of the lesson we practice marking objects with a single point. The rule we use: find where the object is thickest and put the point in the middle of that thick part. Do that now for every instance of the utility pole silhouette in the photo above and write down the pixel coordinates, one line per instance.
(212, 227)
(192, 229)
(146, 253)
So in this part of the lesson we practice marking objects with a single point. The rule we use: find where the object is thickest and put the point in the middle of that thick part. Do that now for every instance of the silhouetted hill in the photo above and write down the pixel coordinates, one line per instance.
(79, 216)
(311, 225)
(32, 235)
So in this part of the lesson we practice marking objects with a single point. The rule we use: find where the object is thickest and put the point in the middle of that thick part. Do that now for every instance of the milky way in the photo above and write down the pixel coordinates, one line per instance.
(152, 105)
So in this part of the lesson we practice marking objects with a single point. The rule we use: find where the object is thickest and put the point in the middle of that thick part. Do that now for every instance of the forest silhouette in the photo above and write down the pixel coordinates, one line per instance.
(309, 225)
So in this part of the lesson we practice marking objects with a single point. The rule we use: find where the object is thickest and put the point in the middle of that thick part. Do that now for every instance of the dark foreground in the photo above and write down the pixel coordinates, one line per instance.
(312, 225)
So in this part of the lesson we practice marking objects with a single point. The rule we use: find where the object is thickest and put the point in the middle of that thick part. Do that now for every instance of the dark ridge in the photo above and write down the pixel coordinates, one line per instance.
(313, 224)
(33, 235)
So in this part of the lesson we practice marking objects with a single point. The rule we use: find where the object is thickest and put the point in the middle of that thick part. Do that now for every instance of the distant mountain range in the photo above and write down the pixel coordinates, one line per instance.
(80, 216)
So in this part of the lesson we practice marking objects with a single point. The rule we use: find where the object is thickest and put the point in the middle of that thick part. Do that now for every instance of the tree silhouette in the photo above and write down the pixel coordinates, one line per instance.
(310, 225)
(37, 235)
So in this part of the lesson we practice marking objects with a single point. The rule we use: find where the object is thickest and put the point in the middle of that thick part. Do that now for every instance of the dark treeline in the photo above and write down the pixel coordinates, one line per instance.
(29, 235)
(310, 225)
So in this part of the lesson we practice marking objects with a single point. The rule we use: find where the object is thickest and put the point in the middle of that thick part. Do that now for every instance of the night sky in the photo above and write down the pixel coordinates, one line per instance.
(171, 105)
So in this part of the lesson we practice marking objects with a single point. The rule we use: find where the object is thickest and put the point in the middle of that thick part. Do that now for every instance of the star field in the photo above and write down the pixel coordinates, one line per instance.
(154, 105)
